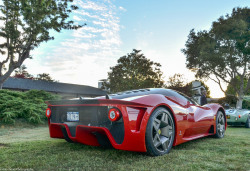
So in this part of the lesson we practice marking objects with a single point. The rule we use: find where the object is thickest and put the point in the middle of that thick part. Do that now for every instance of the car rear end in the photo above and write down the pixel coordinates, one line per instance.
(98, 122)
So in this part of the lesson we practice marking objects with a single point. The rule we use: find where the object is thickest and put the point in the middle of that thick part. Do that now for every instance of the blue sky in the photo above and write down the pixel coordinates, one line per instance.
(115, 27)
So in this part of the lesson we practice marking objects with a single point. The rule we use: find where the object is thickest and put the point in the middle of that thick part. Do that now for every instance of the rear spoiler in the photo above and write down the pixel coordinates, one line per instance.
(85, 102)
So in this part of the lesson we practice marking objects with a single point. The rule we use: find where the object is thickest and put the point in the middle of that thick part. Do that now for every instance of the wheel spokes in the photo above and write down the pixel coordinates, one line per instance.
(156, 124)
(164, 120)
(165, 143)
(162, 131)
(167, 131)
(222, 128)
(157, 140)
(218, 127)
(221, 124)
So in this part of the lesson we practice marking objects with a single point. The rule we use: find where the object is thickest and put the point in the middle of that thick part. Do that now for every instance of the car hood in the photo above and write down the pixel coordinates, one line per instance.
(231, 111)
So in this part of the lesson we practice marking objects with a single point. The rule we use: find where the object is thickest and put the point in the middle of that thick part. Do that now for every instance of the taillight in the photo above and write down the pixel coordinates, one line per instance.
(48, 112)
(114, 114)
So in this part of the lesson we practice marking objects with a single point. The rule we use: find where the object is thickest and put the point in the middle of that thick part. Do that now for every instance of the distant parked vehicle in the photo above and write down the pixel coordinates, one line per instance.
(238, 117)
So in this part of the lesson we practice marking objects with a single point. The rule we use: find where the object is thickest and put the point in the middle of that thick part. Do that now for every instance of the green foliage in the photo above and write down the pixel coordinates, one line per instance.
(246, 104)
(231, 96)
(44, 77)
(232, 101)
(22, 72)
(231, 91)
(177, 82)
(134, 71)
(223, 52)
(27, 23)
(28, 105)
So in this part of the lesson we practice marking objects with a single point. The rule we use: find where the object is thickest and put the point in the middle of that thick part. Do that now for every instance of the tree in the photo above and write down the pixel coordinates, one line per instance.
(223, 53)
(134, 71)
(27, 24)
(230, 91)
(177, 82)
(21, 72)
(230, 95)
(44, 77)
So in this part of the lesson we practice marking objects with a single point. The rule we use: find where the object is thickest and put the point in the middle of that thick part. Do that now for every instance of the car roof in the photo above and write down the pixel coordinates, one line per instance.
(141, 92)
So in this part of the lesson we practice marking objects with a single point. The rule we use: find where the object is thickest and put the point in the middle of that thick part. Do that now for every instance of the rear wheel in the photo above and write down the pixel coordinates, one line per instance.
(248, 121)
(220, 125)
(160, 132)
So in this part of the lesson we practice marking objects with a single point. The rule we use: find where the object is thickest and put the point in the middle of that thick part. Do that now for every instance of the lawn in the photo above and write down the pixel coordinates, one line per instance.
(31, 148)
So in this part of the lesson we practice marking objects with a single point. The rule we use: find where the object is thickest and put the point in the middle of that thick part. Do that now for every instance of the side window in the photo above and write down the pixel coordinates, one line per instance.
(178, 98)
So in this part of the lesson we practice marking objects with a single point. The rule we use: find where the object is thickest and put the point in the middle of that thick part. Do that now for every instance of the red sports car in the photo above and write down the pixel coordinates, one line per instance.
(145, 120)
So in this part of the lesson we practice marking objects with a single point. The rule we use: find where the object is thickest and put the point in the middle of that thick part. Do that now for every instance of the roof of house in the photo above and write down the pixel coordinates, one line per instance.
(56, 87)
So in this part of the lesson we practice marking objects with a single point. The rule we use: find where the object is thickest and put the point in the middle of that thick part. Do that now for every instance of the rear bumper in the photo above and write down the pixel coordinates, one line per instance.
(93, 125)
(89, 135)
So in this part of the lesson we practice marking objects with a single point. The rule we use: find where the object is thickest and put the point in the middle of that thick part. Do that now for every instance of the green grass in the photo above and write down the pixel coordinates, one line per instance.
(32, 148)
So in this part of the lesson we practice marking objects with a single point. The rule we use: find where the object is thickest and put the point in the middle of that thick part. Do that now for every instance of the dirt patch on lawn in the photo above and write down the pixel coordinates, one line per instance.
(2, 145)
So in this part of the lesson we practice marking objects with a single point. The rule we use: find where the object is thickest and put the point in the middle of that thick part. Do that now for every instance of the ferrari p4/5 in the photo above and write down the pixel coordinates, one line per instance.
(145, 120)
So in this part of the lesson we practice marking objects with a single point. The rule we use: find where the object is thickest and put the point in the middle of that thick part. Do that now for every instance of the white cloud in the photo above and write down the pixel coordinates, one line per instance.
(83, 56)
(76, 18)
(122, 9)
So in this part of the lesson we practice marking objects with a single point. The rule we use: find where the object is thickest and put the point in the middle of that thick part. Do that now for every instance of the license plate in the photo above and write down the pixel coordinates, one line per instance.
(228, 116)
(73, 116)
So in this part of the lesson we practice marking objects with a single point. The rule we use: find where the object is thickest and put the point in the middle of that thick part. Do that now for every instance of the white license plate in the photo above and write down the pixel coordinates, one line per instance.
(73, 116)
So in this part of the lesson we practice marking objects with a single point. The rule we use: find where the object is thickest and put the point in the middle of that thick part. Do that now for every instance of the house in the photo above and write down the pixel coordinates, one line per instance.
(66, 90)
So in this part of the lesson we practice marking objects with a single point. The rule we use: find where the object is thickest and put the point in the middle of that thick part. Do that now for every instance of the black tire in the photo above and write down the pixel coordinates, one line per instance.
(160, 132)
(248, 121)
(65, 134)
(220, 125)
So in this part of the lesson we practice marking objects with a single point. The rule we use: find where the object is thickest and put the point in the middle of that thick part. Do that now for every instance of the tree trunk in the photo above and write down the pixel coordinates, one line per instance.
(239, 103)
(4, 77)
(240, 93)
(1, 85)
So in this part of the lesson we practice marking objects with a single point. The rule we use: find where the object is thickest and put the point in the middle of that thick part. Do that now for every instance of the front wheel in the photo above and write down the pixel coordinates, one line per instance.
(220, 125)
(248, 122)
(160, 132)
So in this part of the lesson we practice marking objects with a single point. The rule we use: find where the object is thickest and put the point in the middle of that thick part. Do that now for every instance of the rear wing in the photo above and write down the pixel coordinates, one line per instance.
(84, 102)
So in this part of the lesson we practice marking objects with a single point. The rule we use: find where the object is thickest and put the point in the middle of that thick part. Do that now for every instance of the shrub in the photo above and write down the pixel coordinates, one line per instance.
(28, 106)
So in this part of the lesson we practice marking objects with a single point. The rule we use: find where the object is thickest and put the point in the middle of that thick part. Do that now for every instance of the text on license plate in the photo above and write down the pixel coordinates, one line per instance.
(72, 116)
(228, 116)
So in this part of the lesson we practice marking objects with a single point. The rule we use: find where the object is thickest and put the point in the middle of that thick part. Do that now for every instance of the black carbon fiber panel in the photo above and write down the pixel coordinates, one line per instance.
(90, 116)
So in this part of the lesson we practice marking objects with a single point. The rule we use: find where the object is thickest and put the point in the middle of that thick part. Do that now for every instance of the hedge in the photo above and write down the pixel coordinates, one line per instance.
(28, 106)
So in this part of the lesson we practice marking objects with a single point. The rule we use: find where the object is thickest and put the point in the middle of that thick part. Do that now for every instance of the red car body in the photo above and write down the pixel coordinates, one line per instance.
(191, 120)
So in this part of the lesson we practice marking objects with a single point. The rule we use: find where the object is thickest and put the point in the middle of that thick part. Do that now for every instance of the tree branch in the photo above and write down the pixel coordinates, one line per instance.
(218, 82)
(248, 85)
(217, 75)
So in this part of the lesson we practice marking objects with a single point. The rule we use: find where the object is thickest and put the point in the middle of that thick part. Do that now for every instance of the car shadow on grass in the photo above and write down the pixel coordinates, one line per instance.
(104, 151)
(111, 153)
(194, 143)
(237, 126)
